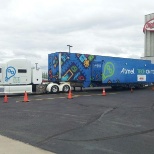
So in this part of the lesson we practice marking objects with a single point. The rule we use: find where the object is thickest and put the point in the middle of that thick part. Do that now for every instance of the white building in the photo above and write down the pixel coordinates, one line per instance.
(148, 30)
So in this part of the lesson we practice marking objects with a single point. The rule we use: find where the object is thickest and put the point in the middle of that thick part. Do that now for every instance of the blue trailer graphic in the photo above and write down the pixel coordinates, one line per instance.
(95, 70)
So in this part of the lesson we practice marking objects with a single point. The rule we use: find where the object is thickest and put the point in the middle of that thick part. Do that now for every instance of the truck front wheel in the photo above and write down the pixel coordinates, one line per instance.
(54, 89)
(66, 88)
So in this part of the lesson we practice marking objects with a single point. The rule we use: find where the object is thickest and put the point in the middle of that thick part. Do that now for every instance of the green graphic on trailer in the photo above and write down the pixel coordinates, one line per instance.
(108, 70)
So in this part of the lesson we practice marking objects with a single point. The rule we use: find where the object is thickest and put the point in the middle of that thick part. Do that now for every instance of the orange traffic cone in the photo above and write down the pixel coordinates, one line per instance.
(131, 90)
(5, 99)
(26, 97)
(103, 93)
(69, 95)
(152, 88)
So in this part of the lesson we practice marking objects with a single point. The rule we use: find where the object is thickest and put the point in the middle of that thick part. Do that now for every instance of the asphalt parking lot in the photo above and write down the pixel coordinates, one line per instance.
(119, 123)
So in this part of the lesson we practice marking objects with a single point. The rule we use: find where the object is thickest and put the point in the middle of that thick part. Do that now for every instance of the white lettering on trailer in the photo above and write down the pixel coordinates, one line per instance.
(97, 65)
(152, 71)
(127, 71)
(147, 71)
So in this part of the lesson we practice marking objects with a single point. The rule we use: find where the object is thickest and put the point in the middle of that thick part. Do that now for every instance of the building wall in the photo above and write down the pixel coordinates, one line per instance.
(149, 39)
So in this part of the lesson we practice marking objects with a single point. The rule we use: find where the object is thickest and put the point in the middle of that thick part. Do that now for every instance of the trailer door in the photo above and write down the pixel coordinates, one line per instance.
(96, 71)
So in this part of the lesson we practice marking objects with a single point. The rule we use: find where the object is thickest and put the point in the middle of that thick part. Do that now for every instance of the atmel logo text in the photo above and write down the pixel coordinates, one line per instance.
(127, 71)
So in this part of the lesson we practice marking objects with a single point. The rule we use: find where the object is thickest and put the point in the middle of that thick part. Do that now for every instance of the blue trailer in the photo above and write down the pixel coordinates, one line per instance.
(87, 70)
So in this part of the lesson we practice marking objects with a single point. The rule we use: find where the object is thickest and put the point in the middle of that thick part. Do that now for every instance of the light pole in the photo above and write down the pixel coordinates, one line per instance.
(69, 47)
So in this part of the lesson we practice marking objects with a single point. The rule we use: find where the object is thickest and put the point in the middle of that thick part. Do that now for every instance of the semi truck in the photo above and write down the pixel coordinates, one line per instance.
(86, 70)
(18, 76)
(71, 70)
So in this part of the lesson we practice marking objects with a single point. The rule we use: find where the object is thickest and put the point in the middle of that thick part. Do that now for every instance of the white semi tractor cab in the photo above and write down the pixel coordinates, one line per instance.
(18, 76)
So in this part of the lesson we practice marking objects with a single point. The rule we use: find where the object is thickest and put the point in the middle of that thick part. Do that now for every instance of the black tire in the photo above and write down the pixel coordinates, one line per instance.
(54, 89)
(66, 88)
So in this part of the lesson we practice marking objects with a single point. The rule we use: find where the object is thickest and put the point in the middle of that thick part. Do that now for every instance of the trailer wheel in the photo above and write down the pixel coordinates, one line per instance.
(66, 88)
(54, 89)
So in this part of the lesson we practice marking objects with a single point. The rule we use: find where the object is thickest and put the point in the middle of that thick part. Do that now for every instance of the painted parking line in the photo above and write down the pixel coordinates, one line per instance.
(85, 95)
(50, 98)
(108, 93)
(60, 97)
(76, 95)
(112, 93)
(37, 99)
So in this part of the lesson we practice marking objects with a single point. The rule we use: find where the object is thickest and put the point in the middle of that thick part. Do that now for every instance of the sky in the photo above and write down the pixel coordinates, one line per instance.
(32, 29)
